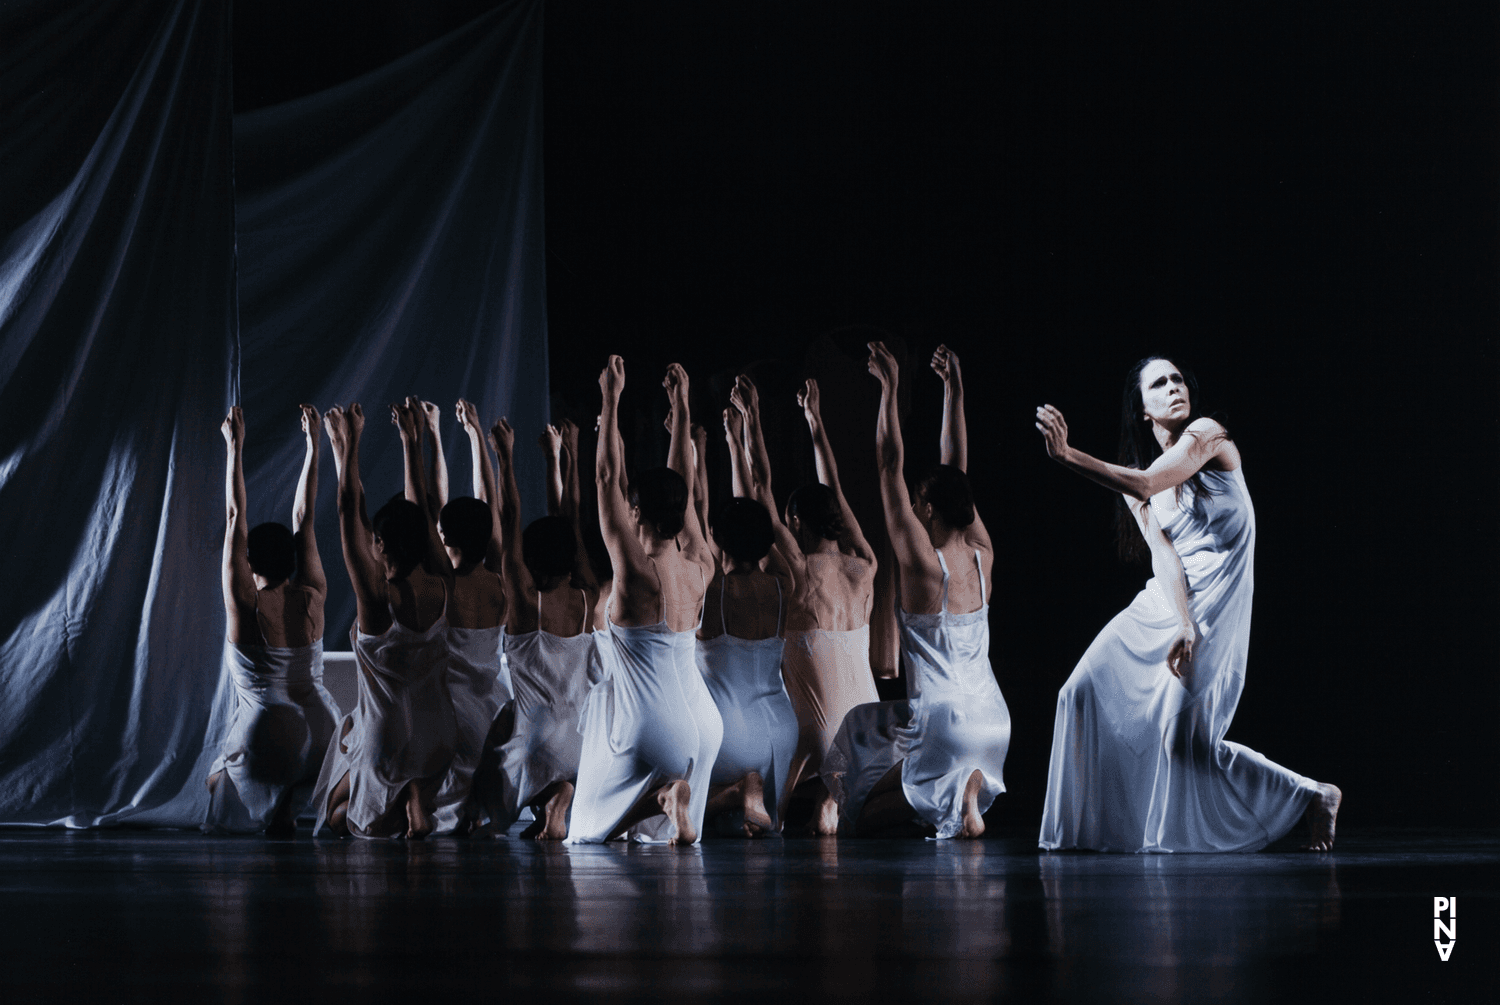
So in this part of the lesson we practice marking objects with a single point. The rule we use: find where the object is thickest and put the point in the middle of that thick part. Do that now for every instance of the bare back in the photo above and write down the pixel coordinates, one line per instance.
(564, 611)
(477, 600)
(289, 616)
(835, 593)
(964, 589)
(417, 601)
(670, 589)
(747, 603)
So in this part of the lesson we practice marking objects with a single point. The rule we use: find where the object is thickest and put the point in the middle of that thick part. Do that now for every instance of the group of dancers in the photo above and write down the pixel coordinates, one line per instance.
(723, 664)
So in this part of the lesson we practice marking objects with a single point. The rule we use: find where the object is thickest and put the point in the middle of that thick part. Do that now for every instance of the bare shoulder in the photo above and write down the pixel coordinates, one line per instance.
(1225, 456)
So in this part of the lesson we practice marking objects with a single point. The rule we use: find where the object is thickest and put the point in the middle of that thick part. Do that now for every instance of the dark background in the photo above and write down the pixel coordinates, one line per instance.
(1297, 200)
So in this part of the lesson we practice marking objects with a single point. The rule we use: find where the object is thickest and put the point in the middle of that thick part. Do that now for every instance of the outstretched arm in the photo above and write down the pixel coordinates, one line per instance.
(739, 457)
(484, 481)
(746, 401)
(828, 471)
(551, 443)
(309, 563)
(1202, 441)
(680, 459)
(909, 538)
(1166, 566)
(408, 418)
(700, 489)
(513, 562)
(437, 472)
(366, 573)
(238, 582)
(953, 446)
(572, 508)
(626, 556)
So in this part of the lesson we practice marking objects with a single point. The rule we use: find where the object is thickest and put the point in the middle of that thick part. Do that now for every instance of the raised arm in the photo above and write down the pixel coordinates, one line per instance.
(309, 563)
(551, 443)
(828, 471)
(746, 401)
(909, 538)
(484, 482)
(237, 580)
(513, 561)
(1166, 566)
(366, 574)
(626, 556)
(953, 445)
(700, 489)
(1199, 443)
(408, 419)
(739, 457)
(428, 415)
(680, 459)
(572, 507)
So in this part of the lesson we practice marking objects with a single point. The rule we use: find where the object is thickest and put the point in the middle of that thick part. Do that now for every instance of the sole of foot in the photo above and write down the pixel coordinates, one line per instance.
(673, 799)
(973, 823)
(1322, 817)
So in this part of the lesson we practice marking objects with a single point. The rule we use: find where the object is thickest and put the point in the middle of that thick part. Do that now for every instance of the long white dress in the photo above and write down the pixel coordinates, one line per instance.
(551, 676)
(1139, 759)
(649, 721)
(282, 721)
(401, 730)
(954, 722)
(760, 725)
(479, 685)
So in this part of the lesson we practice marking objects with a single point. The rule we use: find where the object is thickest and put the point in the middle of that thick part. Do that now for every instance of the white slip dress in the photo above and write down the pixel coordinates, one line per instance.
(280, 728)
(479, 685)
(649, 721)
(402, 728)
(1139, 760)
(760, 725)
(551, 676)
(953, 722)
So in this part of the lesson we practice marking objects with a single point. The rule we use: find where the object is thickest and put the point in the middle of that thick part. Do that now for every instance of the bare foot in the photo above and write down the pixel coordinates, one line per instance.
(825, 821)
(757, 820)
(1322, 813)
(534, 829)
(418, 823)
(973, 823)
(554, 818)
(673, 799)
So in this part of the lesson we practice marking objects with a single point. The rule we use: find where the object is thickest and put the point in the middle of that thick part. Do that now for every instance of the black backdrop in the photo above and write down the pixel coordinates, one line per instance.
(1299, 200)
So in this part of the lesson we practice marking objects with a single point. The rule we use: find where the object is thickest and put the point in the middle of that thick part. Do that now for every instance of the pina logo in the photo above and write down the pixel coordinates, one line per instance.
(1445, 929)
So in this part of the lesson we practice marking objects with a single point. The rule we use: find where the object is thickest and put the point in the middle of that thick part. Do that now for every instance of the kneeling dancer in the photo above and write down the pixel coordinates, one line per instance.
(273, 595)
(941, 753)
(650, 728)
(390, 755)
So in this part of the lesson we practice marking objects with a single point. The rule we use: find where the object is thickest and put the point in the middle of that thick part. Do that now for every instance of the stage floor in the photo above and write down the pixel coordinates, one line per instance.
(122, 915)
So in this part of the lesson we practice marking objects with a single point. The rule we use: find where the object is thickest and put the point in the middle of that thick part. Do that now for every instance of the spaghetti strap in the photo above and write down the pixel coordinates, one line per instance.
(979, 563)
(778, 605)
(583, 623)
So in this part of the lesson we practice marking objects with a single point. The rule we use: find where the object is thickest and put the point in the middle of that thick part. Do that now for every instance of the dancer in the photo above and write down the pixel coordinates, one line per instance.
(941, 753)
(650, 728)
(553, 657)
(274, 590)
(393, 751)
(1139, 759)
(468, 528)
(739, 655)
(826, 661)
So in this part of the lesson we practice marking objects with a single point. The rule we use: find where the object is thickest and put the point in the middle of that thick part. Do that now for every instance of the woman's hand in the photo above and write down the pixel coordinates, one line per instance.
(338, 429)
(945, 364)
(745, 398)
(569, 430)
(405, 418)
(612, 378)
(551, 440)
(468, 415)
(503, 438)
(811, 402)
(1054, 430)
(882, 365)
(1180, 652)
(311, 422)
(734, 424)
(233, 427)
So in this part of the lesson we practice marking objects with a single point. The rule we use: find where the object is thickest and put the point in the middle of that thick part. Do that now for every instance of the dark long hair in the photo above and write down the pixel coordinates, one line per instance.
(1138, 448)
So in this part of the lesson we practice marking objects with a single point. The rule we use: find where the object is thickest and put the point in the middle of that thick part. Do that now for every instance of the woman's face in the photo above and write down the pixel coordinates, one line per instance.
(1164, 394)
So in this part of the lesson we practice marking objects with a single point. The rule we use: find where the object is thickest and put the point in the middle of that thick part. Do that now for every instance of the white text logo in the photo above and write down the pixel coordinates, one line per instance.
(1445, 929)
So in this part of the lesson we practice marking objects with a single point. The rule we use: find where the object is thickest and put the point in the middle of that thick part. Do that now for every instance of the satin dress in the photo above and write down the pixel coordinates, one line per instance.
(1139, 760)
(402, 729)
(479, 686)
(282, 721)
(954, 722)
(827, 673)
(649, 721)
(760, 725)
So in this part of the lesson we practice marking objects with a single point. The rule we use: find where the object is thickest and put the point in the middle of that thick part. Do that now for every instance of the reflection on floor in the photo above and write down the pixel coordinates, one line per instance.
(135, 915)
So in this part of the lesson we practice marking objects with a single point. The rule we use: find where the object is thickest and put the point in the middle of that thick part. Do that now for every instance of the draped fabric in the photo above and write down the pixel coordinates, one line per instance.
(116, 362)
(389, 242)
